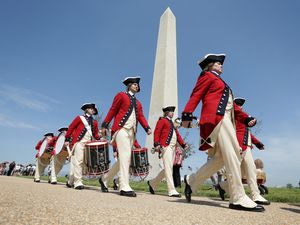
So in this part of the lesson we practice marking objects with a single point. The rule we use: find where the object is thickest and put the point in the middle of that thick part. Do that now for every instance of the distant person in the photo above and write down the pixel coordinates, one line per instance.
(261, 176)
(178, 159)
(11, 168)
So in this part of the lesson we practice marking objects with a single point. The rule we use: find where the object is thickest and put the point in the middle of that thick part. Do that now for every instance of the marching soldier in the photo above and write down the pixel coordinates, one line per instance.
(217, 132)
(42, 163)
(248, 168)
(58, 160)
(166, 137)
(81, 130)
(126, 111)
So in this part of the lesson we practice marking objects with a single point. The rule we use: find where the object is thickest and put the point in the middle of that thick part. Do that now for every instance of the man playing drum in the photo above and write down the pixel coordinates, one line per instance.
(166, 137)
(127, 112)
(60, 154)
(43, 160)
(83, 129)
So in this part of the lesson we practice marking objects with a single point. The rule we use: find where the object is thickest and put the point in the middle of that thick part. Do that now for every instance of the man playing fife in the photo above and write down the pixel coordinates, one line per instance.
(127, 112)
(166, 137)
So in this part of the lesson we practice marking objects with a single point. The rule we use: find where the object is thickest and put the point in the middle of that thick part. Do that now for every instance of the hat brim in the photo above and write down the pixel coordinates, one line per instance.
(63, 129)
(169, 109)
(211, 58)
(49, 134)
(87, 106)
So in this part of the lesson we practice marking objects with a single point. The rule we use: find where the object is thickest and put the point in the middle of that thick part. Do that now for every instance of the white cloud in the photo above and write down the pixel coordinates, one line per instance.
(27, 98)
(6, 121)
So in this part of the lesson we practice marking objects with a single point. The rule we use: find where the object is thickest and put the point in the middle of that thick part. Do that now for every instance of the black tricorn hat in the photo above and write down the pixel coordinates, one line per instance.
(239, 101)
(88, 105)
(169, 109)
(209, 58)
(49, 134)
(61, 129)
(131, 80)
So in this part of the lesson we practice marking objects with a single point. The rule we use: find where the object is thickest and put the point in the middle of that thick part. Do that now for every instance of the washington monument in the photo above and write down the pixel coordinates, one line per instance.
(164, 85)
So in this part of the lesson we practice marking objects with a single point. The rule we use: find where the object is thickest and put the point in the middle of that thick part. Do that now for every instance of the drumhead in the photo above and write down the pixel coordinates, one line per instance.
(59, 143)
(43, 147)
(96, 143)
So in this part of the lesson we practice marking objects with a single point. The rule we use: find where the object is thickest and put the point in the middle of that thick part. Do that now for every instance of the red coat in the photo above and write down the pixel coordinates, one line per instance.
(242, 133)
(121, 109)
(163, 133)
(49, 146)
(77, 130)
(214, 93)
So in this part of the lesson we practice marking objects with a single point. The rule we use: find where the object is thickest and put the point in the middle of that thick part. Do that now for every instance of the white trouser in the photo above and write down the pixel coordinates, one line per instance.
(41, 164)
(76, 167)
(248, 168)
(124, 139)
(57, 163)
(168, 160)
(227, 151)
(108, 177)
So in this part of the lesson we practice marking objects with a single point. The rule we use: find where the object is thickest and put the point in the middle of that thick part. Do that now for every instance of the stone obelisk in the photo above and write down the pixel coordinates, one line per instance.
(164, 85)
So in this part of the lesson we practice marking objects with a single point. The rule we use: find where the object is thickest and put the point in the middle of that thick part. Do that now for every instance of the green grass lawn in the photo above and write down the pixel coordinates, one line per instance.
(286, 195)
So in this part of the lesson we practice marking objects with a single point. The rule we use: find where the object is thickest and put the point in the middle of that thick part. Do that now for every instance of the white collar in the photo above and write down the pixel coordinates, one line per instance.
(131, 93)
(214, 72)
(87, 115)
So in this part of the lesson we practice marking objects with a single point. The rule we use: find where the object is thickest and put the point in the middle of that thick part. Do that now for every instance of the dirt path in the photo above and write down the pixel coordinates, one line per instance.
(26, 202)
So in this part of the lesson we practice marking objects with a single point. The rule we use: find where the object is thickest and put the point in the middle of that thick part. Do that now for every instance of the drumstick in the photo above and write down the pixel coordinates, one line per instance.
(69, 151)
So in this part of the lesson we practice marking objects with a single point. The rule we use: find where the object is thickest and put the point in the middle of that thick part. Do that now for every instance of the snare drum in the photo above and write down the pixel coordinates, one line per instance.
(139, 162)
(96, 158)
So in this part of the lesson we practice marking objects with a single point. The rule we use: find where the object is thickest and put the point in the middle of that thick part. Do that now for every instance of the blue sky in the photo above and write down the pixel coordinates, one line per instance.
(56, 55)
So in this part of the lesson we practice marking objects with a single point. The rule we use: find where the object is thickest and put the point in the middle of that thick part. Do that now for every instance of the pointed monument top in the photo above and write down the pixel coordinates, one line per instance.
(168, 10)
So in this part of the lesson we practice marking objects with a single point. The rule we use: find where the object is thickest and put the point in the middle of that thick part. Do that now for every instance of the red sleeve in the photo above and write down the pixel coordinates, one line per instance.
(254, 140)
(38, 145)
(141, 118)
(200, 89)
(136, 144)
(157, 131)
(72, 127)
(179, 138)
(114, 109)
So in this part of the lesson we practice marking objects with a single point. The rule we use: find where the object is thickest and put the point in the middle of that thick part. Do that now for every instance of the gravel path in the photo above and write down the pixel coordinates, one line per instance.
(26, 202)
